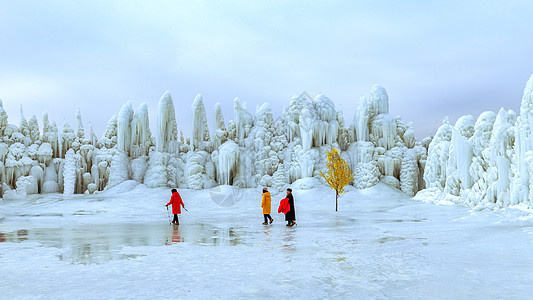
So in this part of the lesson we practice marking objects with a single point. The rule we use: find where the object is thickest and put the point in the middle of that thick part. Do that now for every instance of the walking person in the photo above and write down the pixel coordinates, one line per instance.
(177, 203)
(290, 216)
(266, 205)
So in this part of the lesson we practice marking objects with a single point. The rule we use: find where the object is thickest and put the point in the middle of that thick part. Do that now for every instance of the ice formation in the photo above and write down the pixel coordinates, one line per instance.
(141, 138)
(167, 128)
(253, 149)
(200, 131)
(227, 159)
(124, 130)
(220, 133)
(486, 163)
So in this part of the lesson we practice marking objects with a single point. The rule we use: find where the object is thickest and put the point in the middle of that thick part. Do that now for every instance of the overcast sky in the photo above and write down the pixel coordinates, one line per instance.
(436, 59)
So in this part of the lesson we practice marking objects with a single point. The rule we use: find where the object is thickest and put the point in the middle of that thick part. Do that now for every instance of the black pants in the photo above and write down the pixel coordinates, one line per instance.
(176, 218)
(267, 216)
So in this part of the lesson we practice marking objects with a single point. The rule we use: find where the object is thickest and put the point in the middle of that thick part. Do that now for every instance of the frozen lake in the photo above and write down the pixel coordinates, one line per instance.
(380, 245)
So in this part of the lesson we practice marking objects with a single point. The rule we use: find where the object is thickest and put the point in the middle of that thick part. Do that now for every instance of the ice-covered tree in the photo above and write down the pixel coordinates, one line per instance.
(81, 131)
(92, 136)
(3, 119)
(279, 178)
(409, 173)
(46, 124)
(70, 171)
(68, 137)
(24, 127)
(33, 126)
(243, 121)
(119, 169)
(343, 136)
(220, 133)
(109, 139)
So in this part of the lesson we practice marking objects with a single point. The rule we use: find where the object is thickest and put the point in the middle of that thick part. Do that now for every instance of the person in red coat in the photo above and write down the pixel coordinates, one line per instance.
(286, 206)
(177, 203)
(290, 216)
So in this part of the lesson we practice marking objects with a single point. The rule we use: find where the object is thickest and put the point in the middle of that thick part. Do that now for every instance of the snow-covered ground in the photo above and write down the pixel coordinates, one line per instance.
(380, 245)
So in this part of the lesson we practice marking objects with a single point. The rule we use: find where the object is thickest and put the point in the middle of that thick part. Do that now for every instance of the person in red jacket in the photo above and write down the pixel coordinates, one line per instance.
(177, 203)
(290, 216)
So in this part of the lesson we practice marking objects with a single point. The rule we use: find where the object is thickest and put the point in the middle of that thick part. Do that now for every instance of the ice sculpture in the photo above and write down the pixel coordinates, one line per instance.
(488, 163)
(250, 150)
(166, 129)
(124, 130)
(141, 136)
(200, 131)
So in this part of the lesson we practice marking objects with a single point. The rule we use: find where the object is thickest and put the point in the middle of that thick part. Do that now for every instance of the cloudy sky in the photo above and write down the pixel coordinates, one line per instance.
(436, 59)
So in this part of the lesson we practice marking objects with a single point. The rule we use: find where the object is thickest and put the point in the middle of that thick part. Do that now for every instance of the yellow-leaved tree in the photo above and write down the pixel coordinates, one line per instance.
(339, 173)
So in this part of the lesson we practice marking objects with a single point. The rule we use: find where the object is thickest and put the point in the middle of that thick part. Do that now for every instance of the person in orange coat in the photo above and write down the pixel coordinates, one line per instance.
(266, 205)
(177, 203)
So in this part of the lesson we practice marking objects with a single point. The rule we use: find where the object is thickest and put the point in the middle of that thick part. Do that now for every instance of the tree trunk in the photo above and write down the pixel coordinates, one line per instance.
(336, 202)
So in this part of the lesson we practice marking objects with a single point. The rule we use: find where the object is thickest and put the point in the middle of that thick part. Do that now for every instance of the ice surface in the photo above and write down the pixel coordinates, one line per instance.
(380, 245)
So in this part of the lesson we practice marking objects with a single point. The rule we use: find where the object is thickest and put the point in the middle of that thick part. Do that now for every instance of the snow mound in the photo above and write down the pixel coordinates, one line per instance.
(123, 187)
(391, 181)
(307, 183)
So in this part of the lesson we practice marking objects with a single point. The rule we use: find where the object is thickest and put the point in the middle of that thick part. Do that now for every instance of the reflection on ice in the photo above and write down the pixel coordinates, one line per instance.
(16, 237)
(176, 236)
(390, 239)
(103, 242)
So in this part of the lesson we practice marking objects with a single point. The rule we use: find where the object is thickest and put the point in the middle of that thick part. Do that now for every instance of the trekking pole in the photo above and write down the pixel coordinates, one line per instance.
(185, 209)
(168, 213)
